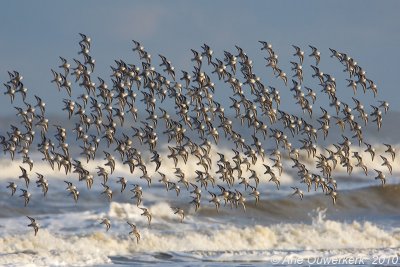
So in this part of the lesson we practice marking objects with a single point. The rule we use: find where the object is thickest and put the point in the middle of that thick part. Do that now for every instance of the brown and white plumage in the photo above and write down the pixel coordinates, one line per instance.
(33, 224)
(134, 231)
(107, 223)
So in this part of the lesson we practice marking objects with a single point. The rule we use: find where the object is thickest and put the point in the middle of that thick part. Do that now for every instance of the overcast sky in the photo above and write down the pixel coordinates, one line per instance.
(35, 33)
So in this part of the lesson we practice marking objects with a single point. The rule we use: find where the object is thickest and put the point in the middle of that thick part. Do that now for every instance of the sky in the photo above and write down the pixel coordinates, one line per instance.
(35, 33)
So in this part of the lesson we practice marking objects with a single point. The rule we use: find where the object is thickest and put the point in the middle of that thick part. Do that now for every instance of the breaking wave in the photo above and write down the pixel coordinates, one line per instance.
(218, 243)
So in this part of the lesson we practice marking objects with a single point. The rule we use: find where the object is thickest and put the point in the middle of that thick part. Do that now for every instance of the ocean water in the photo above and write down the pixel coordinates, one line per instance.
(363, 226)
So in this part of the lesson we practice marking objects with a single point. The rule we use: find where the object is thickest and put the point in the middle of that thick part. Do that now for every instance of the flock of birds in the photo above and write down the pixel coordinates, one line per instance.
(101, 112)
